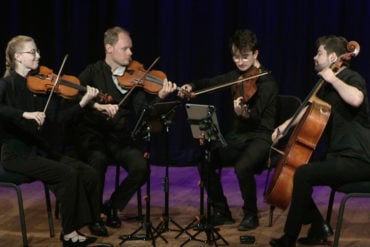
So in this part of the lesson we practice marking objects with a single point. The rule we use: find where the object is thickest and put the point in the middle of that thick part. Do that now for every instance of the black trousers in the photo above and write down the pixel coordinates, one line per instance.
(73, 182)
(99, 153)
(247, 158)
(332, 172)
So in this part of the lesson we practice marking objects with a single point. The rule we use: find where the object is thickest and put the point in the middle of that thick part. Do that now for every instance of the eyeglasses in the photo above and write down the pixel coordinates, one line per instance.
(32, 52)
(243, 58)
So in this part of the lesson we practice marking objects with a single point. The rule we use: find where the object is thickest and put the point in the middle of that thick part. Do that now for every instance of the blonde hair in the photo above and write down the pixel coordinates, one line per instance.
(111, 35)
(14, 45)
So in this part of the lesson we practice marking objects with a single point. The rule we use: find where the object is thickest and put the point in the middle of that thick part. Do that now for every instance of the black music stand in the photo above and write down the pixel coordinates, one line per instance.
(204, 126)
(163, 226)
(150, 121)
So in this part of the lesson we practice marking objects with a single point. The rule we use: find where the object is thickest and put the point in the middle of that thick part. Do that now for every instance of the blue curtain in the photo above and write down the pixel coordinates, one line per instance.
(191, 37)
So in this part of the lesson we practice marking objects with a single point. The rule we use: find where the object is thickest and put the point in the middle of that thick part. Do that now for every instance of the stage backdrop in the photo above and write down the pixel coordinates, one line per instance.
(191, 37)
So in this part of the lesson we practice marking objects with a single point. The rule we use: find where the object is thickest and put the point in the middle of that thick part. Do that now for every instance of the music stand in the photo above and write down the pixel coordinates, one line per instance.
(204, 126)
(150, 121)
(165, 219)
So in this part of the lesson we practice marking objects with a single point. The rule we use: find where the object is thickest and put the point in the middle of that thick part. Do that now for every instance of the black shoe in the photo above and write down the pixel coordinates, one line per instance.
(98, 229)
(317, 235)
(219, 218)
(284, 241)
(249, 222)
(112, 217)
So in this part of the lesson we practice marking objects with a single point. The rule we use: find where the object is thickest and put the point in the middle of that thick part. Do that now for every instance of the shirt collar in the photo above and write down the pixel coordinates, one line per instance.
(119, 71)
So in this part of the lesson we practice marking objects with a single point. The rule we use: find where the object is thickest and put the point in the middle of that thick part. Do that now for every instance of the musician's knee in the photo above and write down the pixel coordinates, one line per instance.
(301, 173)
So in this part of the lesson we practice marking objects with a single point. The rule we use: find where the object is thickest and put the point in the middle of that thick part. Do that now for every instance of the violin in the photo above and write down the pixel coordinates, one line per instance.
(67, 87)
(248, 82)
(136, 76)
(247, 88)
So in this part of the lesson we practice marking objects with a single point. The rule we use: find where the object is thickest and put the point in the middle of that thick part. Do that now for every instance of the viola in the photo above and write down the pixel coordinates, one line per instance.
(68, 86)
(137, 76)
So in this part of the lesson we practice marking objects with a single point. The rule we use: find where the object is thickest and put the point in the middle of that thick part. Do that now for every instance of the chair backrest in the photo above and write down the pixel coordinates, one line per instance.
(287, 106)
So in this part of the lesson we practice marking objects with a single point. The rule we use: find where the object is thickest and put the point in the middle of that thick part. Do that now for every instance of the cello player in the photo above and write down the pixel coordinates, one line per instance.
(347, 156)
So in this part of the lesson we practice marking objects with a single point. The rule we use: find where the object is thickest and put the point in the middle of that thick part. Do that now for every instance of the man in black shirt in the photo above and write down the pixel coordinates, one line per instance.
(348, 156)
(103, 135)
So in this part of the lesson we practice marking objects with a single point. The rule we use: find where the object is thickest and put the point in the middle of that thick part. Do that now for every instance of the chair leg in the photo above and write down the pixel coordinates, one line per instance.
(21, 214)
(118, 171)
(340, 220)
(48, 209)
(139, 205)
(271, 214)
(330, 206)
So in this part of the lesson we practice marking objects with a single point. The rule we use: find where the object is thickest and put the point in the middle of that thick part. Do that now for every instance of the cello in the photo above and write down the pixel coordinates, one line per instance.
(304, 138)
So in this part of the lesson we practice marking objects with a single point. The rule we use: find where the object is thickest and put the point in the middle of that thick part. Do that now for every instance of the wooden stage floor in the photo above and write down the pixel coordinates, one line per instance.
(183, 208)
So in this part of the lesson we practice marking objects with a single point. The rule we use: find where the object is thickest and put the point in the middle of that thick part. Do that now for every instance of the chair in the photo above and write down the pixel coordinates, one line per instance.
(351, 190)
(14, 180)
(287, 105)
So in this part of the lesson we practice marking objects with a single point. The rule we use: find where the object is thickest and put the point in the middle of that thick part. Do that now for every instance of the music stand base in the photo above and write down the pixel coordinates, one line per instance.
(212, 235)
(149, 234)
(163, 226)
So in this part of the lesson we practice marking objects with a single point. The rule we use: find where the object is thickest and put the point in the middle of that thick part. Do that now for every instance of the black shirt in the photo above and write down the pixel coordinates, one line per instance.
(262, 107)
(20, 134)
(348, 127)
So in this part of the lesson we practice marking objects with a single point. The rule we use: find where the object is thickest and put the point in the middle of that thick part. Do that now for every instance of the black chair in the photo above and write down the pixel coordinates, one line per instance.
(14, 181)
(287, 106)
(351, 190)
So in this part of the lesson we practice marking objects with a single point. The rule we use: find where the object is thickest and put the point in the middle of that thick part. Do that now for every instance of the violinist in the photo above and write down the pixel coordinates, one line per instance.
(25, 148)
(102, 141)
(347, 157)
(249, 135)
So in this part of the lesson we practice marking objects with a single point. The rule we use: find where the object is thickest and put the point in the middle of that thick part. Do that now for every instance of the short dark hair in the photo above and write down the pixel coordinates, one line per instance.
(244, 39)
(332, 43)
